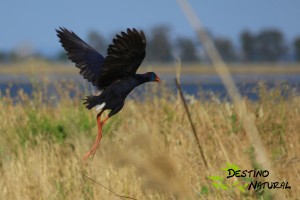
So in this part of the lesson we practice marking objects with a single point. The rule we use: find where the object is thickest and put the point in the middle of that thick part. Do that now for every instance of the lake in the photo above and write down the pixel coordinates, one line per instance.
(207, 85)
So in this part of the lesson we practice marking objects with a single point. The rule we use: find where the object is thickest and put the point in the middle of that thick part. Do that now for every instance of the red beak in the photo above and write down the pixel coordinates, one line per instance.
(157, 79)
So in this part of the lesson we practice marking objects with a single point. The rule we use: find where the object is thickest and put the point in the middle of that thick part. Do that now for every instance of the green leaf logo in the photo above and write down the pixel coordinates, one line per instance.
(224, 187)
(241, 189)
(235, 183)
(216, 185)
(215, 178)
(218, 182)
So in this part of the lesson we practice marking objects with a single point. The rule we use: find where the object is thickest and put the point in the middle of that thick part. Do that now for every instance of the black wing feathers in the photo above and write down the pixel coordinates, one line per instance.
(87, 59)
(124, 56)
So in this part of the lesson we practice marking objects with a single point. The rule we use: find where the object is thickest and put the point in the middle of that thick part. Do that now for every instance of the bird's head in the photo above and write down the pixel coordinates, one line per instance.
(152, 77)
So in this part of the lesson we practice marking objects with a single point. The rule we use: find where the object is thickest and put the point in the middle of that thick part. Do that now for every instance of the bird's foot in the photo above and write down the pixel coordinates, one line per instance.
(92, 151)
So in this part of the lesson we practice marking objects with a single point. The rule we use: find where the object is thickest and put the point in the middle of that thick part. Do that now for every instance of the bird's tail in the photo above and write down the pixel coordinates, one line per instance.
(92, 101)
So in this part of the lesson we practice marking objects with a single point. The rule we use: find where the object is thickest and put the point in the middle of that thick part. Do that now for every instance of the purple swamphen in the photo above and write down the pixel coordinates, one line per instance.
(115, 75)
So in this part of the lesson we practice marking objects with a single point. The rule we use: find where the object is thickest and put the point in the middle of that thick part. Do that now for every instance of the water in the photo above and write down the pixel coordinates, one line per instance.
(197, 85)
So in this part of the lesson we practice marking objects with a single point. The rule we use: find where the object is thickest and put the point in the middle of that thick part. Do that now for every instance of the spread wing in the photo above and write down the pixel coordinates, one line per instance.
(87, 59)
(124, 56)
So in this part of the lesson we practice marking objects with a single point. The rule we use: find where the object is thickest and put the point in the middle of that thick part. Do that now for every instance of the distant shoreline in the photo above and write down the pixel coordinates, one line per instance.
(32, 67)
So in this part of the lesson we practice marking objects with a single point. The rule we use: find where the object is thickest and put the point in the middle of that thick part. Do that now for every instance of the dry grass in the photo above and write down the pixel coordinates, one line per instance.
(147, 152)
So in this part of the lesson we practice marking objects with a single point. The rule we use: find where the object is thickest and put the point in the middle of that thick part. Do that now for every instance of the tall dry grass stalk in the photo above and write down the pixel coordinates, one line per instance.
(224, 73)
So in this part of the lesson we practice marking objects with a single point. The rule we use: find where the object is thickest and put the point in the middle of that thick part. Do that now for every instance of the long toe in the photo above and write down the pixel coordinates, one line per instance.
(92, 151)
(96, 144)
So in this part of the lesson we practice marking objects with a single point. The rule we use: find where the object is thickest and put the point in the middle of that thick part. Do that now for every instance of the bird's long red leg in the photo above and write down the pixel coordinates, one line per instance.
(100, 124)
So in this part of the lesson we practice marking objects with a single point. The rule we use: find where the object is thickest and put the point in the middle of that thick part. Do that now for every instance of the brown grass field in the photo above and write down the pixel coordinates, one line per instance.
(148, 150)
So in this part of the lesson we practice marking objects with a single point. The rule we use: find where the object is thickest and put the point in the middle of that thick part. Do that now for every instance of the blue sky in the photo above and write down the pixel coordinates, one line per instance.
(34, 21)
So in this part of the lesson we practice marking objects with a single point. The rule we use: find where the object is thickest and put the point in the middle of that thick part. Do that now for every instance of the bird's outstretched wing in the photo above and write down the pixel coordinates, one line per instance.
(124, 56)
(87, 59)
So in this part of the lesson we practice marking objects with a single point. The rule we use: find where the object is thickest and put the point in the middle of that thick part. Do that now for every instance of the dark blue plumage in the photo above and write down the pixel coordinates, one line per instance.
(114, 95)
(115, 74)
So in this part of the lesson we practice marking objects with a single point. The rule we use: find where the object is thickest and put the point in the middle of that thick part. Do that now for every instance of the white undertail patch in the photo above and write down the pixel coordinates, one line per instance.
(99, 107)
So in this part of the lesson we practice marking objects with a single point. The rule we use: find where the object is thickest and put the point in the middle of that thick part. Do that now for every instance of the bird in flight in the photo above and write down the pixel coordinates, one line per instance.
(115, 75)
